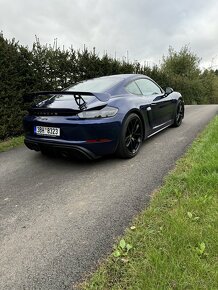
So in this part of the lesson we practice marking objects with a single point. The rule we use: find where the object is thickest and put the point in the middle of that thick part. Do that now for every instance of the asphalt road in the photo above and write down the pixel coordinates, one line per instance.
(59, 217)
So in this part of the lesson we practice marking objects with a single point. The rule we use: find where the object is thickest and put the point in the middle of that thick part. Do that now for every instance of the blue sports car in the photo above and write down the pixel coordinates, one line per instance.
(106, 115)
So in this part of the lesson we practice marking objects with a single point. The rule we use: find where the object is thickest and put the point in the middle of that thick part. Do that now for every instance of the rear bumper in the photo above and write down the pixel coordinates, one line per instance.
(91, 148)
(37, 145)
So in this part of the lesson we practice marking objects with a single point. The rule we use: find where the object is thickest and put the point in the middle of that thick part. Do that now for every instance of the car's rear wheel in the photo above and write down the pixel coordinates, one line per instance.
(179, 114)
(131, 137)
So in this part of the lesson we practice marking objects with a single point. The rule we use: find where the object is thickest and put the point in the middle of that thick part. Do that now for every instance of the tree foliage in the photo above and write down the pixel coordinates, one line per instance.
(16, 77)
(183, 63)
(46, 67)
(181, 71)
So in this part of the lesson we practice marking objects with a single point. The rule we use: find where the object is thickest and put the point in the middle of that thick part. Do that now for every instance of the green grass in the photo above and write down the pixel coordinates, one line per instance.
(175, 240)
(11, 143)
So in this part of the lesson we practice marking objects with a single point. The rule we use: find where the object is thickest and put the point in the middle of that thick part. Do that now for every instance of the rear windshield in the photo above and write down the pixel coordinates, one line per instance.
(98, 85)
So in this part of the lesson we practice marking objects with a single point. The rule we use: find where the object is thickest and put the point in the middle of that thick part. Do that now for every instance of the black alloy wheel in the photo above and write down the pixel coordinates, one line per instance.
(131, 137)
(179, 114)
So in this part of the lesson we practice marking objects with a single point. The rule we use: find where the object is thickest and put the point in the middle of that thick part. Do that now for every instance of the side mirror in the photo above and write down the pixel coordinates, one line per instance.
(168, 91)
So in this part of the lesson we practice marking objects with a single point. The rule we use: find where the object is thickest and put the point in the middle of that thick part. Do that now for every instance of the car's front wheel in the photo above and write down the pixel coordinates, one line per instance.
(131, 137)
(179, 114)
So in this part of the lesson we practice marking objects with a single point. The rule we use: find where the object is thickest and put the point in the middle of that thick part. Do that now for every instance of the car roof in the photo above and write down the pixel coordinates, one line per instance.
(124, 80)
(124, 76)
(120, 81)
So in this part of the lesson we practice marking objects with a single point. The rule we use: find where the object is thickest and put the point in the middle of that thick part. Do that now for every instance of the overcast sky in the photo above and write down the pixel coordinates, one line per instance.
(143, 28)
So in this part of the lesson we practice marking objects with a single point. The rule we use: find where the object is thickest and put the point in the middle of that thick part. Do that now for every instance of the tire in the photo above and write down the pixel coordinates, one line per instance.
(179, 114)
(131, 137)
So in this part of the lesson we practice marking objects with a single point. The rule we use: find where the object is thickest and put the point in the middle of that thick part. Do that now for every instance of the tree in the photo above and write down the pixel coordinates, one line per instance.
(181, 71)
(183, 63)
(15, 78)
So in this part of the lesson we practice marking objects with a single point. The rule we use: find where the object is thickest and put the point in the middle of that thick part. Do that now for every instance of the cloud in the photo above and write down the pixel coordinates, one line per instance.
(143, 28)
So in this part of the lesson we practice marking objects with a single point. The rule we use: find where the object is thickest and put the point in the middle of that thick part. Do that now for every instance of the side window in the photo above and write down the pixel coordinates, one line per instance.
(133, 89)
(148, 87)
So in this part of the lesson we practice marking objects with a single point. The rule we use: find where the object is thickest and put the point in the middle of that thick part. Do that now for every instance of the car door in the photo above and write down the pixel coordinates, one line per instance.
(160, 105)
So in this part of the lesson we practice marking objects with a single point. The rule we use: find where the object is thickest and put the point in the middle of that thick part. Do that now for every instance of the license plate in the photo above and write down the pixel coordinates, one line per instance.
(46, 131)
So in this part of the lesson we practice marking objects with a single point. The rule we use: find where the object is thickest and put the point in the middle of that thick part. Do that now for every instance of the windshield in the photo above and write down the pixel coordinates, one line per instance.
(98, 85)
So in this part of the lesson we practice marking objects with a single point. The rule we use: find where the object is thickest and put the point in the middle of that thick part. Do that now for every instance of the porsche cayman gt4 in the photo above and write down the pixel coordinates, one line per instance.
(106, 115)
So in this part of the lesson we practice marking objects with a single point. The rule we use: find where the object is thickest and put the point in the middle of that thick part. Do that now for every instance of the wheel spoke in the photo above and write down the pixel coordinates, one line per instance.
(128, 130)
(130, 145)
(128, 140)
(131, 126)
(135, 126)
(133, 147)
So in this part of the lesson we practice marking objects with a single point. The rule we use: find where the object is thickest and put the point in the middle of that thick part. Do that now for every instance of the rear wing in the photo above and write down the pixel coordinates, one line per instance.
(103, 97)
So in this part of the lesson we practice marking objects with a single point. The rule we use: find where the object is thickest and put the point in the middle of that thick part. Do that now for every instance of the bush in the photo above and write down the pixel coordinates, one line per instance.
(16, 76)
(181, 71)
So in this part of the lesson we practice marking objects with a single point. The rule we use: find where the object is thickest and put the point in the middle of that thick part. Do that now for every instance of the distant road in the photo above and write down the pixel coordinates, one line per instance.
(59, 217)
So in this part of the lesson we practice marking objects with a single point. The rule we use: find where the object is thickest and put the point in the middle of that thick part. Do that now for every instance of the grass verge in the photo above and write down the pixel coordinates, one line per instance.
(11, 143)
(173, 244)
